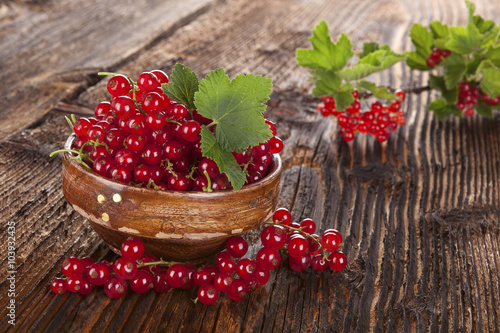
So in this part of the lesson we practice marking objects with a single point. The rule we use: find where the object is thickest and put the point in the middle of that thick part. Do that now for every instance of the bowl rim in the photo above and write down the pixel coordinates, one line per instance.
(275, 172)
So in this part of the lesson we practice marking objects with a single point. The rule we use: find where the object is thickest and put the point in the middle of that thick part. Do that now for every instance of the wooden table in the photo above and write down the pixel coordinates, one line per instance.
(420, 214)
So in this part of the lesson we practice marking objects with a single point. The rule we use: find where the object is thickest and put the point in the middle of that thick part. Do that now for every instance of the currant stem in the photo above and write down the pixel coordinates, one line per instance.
(209, 182)
(158, 263)
(65, 151)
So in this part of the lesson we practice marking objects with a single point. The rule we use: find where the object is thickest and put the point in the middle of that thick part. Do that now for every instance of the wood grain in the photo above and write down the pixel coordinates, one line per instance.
(419, 214)
(50, 52)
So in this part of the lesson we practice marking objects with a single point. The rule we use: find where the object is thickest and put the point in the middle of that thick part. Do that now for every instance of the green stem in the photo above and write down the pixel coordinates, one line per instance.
(209, 181)
(107, 74)
(65, 151)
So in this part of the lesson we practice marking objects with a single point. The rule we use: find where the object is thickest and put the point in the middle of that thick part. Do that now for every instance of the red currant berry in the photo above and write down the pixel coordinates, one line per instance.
(330, 242)
(245, 268)
(400, 94)
(275, 145)
(86, 287)
(58, 286)
(72, 267)
(177, 275)
(152, 101)
(237, 246)
(176, 111)
(299, 264)
(115, 287)
(124, 107)
(142, 282)
(337, 261)
(132, 249)
(81, 127)
(118, 85)
(297, 246)
(208, 294)
(282, 216)
(261, 276)
(308, 225)
(237, 290)
(273, 236)
(191, 131)
(98, 273)
(135, 142)
(147, 81)
(318, 263)
(268, 258)
(272, 126)
(209, 166)
(160, 284)
(160, 75)
(226, 265)
(74, 283)
(120, 174)
(222, 281)
(102, 108)
(152, 154)
(125, 268)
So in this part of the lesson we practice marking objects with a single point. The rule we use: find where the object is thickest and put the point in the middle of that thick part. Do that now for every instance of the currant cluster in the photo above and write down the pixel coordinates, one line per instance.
(231, 273)
(303, 246)
(380, 120)
(469, 95)
(436, 56)
(141, 137)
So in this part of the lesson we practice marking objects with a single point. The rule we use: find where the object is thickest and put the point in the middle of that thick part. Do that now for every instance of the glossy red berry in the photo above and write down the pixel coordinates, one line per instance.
(282, 216)
(142, 282)
(119, 85)
(98, 273)
(268, 258)
(125, 268)
(273, 236)
(147, 81)
(337, 261)
(58, 286)
(132, 249)
(208, 294)
(115, 287)
(72, 267)
(237, 246)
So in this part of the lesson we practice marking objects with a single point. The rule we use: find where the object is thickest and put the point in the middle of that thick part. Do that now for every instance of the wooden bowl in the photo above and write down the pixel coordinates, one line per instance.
(179, 226)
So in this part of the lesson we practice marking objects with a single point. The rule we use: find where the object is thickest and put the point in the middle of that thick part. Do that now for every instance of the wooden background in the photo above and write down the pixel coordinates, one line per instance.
(420, 214)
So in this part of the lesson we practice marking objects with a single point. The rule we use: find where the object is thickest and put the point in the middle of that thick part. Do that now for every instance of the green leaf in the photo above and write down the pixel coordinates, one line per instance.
(422, 39)
(368, 47)
(442, 109)
(493, 54)
(473, 64)
(491, 38)
(325, 54)
(484, 109)
(482, 24)
(439, 30)
(236, 107)
(225, 160)
(182, 86)
(454, 70)
(464, 40)
(437, 82)
(471, 8)
(326, 82)
(416, 61)
(373, 62)
(379, 92)
(491, 81)
(343, 97)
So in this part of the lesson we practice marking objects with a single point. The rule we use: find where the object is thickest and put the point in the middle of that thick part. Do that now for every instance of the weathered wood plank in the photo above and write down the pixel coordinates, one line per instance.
(49, 52)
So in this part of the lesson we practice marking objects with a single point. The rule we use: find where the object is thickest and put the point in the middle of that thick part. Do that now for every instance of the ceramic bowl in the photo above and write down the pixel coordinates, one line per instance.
(179, 226)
